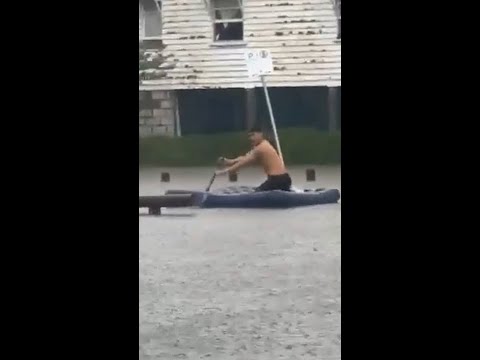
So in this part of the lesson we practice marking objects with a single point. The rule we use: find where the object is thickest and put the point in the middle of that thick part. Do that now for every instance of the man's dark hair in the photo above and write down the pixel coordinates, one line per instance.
(255, 129)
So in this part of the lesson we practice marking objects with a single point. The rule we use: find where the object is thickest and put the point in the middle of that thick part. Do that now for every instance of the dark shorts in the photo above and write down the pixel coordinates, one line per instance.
(276, 182)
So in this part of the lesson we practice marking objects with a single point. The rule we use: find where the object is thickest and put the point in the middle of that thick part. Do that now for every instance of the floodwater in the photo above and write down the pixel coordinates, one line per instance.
(236, 283)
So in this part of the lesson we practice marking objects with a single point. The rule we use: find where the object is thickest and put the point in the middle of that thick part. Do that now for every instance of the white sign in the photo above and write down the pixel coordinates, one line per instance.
(259, 62)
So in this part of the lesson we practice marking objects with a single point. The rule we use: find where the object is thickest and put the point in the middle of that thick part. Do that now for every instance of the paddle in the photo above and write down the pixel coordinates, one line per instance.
(211, 182)
(220, 161)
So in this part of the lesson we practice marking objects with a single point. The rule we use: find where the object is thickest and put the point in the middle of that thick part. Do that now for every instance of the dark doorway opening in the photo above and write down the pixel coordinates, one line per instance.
(211, 111)
(295, 107)
(225, 110)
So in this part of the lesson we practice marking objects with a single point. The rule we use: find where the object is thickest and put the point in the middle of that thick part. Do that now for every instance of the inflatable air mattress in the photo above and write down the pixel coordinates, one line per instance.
(245, 197)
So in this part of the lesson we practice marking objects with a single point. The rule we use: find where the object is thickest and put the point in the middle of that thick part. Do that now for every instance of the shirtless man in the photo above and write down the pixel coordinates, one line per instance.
(265, 154)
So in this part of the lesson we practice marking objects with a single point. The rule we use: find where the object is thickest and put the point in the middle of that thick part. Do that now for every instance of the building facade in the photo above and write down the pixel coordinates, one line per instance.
(193, 76)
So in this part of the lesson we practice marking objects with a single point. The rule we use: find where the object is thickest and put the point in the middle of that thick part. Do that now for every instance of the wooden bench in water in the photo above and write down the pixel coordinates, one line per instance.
(155, 203)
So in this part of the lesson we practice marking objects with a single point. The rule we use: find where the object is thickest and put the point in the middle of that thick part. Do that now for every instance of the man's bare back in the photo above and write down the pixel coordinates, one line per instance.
(268, 158)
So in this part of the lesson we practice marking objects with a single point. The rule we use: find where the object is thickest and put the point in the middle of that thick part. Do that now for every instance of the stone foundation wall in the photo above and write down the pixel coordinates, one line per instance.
(157, 111)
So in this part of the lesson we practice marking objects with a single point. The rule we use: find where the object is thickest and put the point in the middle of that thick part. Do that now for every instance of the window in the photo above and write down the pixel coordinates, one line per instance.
(150, 19)
(227, 18)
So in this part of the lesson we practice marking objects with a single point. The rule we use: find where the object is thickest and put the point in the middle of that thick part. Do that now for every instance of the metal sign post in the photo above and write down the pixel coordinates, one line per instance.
(259, 63)
(272, 119)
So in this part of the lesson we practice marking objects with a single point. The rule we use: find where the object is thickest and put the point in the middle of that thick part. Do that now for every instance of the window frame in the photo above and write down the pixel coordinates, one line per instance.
(215, 21)
(160, 13)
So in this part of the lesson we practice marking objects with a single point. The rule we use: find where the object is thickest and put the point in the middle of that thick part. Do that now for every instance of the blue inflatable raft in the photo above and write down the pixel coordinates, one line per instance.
(245, 197)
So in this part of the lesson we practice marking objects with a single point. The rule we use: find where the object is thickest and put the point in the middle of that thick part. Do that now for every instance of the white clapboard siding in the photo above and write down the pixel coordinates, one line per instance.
(257, 6)
(305, 65)
(322, 15)
(300, 34)
(215, 83)
(199, 49)
(183, 57)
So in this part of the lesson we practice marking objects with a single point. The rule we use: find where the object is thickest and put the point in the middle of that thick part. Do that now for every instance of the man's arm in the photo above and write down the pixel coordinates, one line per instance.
(243, 161)
(229, 162)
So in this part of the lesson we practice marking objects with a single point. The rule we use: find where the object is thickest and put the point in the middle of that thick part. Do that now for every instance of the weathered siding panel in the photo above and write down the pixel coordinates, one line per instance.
(141, 22)
(301, 35)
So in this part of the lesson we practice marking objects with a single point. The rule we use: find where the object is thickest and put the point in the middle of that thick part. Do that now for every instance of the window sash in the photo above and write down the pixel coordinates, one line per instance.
(214, 8)
(228, 21)
(211, 3)
(150, 21)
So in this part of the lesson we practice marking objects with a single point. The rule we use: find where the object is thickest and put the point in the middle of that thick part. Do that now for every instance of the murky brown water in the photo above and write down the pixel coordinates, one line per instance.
(239, 284)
